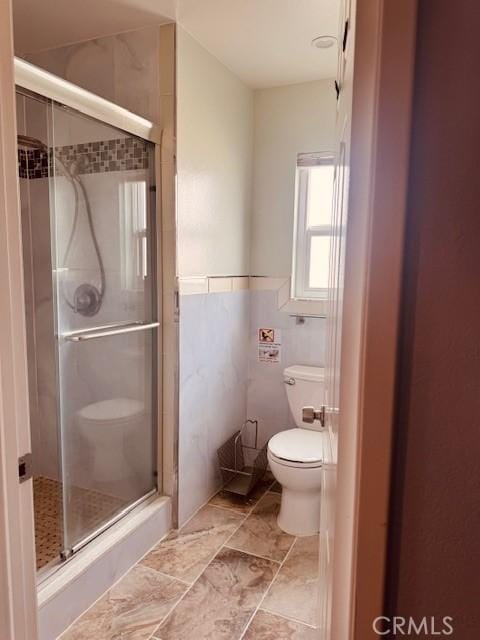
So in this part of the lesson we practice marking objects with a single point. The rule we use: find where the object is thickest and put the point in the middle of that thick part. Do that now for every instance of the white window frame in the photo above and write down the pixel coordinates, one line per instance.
(134, 247)
(302, 234)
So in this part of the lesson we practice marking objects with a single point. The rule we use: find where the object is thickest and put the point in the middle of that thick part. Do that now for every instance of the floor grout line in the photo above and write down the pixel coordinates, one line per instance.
(246, 513)
(105, 593)
(268, 589)
(244, 517)
(166, 575)
(250, 553)
(223, 546)
(152, 637)
(239, 513)
(282, 615)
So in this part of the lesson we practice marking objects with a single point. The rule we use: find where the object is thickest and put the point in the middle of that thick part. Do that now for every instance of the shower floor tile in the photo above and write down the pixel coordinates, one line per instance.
(88, 509)
(47, 500)
(238, 576)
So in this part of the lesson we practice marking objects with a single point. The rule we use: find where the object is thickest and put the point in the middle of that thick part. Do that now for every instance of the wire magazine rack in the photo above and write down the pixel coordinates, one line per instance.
(238, 477)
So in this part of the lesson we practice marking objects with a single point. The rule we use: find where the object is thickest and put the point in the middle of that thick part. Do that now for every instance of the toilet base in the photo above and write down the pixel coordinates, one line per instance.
(299, 512)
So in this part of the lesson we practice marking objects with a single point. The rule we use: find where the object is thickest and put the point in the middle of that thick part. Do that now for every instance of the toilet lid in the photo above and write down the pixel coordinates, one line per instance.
(115, 409)
(297, 445)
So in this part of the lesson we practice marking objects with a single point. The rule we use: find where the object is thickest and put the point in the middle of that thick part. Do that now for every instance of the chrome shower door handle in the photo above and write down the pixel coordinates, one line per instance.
(108, 330)
(310, 415)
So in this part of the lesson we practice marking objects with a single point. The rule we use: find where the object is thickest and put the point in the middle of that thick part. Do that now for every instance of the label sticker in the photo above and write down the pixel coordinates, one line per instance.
(269, 345)
(266, 335)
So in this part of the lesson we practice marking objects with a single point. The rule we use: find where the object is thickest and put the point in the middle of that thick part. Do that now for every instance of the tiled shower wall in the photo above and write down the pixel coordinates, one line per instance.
(222, 383)
(122, 68)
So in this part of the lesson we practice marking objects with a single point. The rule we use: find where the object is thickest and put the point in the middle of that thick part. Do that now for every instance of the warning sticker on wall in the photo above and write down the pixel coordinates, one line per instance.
(269, 345)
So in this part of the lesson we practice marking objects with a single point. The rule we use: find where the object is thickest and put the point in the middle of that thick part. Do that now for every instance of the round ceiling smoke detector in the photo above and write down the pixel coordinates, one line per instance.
(324, 42)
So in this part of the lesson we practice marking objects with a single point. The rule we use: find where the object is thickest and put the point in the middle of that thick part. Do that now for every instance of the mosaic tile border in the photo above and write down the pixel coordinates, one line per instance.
(124, 154)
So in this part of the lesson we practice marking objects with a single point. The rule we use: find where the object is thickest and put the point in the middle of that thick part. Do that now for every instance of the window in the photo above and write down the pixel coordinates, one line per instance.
(134, 256)
(313, 218)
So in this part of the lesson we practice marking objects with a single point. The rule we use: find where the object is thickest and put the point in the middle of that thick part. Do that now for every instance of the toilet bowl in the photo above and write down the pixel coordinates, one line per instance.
(296, 455)
(109, 427)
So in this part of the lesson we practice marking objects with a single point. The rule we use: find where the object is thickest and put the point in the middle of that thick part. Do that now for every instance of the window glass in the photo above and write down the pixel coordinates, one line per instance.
(313, 225)
(319, 262)
(319, 195)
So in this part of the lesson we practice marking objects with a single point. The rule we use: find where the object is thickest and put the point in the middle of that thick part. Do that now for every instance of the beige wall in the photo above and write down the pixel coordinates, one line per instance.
(434, 558)
(214, 164)
(288, 120)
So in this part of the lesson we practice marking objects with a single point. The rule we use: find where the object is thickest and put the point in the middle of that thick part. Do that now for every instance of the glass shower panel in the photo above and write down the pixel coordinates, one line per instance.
(102, 253)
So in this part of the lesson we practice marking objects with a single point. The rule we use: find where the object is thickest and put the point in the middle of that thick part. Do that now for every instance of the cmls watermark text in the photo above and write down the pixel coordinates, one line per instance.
(426, 627)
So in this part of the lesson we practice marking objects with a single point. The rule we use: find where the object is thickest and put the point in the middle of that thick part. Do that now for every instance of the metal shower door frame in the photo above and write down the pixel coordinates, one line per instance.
(66, 93)
(57, 91)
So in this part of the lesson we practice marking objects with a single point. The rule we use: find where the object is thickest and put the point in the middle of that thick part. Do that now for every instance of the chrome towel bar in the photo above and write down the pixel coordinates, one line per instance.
(111, 330)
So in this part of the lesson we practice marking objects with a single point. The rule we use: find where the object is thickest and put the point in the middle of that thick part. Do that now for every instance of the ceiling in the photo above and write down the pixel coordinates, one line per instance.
(264, 42)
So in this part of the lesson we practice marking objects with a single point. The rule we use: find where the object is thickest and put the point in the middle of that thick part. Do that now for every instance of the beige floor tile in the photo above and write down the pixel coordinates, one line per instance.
(185, 553)
(240, 503)
(260, 533)
(267, 626)
(131, 610)
(276, 487)
(294, 592)
(220, 603)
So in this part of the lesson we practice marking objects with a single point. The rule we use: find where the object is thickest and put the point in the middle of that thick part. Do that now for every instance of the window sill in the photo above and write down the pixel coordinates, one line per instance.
(296, 306)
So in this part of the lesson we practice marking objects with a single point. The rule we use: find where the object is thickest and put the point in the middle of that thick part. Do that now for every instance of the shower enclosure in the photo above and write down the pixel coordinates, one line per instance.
(87, 194)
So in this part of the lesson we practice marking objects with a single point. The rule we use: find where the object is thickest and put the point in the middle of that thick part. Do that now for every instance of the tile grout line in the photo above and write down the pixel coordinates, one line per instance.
(152, 637)
(124, 575)
(245, 516)
(276, 613)
(216, 492)
(268, 589)
(251, 508)
(224, 545)
(250, 553)
(138, 562)
(239, 513)
(166, 575)
(290, 619)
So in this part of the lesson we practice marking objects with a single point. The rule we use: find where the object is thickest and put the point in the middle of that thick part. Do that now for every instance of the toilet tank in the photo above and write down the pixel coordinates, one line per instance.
(305, 388)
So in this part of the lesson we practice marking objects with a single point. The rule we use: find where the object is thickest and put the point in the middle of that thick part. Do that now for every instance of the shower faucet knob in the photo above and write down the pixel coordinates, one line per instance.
(87, 300)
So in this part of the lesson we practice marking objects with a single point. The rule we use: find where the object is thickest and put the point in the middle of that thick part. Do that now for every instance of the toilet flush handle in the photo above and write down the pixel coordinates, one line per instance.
(309, 415)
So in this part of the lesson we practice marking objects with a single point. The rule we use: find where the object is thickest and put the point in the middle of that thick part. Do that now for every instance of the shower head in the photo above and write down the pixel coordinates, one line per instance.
(31, 143)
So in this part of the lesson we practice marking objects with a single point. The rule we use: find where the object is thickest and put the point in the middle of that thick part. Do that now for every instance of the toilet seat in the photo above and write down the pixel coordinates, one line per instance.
(301, 448)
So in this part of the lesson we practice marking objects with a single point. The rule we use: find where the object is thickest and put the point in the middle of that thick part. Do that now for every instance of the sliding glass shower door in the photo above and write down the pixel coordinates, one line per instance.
(102, 247)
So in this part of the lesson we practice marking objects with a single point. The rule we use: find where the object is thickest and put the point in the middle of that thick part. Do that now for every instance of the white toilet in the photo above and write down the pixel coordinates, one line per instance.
(110, 427)
(295, 455)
